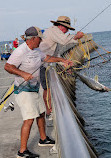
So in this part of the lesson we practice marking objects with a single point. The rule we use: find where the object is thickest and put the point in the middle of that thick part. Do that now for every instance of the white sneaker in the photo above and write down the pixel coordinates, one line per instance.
(49, 117)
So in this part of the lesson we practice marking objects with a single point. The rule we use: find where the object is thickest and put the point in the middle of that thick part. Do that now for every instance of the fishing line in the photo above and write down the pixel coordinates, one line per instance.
(91, 21)
(99, 64)
(97, 56)
(96, 17)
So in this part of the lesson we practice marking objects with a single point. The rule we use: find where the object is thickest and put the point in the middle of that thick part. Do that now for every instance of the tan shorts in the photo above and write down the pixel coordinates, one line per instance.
(31, 104)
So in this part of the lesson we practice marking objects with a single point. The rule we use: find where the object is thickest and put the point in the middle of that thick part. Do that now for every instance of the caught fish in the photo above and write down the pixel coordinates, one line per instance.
(91, 83)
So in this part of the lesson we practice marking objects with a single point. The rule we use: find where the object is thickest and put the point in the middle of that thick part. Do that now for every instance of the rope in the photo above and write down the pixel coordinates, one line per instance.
(97, 51)
(46, 76)
(65, 72)
(101, 47)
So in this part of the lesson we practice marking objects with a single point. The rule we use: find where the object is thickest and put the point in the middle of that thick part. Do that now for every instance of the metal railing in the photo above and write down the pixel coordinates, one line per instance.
(69, 140)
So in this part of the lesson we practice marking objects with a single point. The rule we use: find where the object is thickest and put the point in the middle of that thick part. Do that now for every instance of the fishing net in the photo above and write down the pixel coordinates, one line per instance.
(90, 59)
(99, 67)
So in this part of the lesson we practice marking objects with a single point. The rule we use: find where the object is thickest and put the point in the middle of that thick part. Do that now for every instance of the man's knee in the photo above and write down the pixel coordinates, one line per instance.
(42, 115)
(29, 122)
(41, 120)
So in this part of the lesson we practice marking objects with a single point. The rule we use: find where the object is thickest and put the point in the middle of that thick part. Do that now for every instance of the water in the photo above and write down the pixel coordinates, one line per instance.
(95, 107)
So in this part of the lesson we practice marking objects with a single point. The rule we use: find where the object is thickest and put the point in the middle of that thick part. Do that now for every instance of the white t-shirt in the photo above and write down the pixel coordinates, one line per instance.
(27, 60)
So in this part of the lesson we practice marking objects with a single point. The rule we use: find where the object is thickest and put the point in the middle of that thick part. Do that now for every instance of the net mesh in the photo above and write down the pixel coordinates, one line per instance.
(95, 65)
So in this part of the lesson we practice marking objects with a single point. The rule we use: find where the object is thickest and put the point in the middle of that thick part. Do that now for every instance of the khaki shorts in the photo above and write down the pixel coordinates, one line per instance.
(31, 104)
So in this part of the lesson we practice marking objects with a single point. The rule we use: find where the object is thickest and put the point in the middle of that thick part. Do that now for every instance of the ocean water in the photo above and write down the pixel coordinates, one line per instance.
(95, 107)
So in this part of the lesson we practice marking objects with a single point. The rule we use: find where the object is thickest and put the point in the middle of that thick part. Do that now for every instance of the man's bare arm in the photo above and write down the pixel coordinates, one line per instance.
(13, 70)
(52, 59)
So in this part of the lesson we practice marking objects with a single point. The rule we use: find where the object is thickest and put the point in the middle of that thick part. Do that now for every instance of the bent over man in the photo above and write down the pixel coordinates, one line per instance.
(53, 36)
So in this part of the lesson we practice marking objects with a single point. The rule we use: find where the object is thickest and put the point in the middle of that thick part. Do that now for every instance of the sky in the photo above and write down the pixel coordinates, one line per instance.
(17, 16)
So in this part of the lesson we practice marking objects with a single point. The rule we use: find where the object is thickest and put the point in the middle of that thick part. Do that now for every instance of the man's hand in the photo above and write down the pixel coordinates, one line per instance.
(67, 63)
(78, 35)
(26, 76)
(13, 70)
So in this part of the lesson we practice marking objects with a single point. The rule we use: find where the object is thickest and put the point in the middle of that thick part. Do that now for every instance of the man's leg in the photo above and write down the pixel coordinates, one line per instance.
(41, 125)
(25, 132)
(29, 110)
(44, 86)
(48, 106)
(44, 140)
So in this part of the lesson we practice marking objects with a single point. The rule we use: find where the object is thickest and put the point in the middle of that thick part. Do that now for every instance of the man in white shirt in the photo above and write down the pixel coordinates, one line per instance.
(24, 63)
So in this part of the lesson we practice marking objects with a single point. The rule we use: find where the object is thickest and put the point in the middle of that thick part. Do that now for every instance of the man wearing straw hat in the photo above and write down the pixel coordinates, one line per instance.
(52, 37)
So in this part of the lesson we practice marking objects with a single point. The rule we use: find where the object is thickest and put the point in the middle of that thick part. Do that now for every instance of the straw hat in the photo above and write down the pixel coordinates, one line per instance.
(65, 21)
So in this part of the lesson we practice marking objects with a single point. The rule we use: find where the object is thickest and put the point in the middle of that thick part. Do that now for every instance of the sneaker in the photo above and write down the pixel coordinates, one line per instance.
(49, 116)
(27, 154)
(46, 142)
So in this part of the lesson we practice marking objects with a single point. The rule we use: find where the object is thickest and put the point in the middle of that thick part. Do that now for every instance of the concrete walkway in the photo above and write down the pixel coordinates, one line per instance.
(10, 126)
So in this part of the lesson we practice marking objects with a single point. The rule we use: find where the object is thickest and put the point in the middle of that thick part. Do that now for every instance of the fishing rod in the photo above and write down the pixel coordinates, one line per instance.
(23, 82)
(98, 64)
(98, 56)
(91, 20)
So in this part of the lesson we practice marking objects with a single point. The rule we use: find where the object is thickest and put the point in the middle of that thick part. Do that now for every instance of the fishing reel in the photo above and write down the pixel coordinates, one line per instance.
(9, 107)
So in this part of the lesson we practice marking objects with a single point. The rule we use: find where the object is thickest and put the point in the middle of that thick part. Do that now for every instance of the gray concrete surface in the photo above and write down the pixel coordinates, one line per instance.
(10, 126)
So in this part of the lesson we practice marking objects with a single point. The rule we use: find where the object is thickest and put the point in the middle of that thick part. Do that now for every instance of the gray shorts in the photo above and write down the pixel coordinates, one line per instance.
(42, 77)
(31, 104)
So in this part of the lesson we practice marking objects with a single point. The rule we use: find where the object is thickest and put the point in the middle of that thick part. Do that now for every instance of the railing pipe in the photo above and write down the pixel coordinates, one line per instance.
(70, 139)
